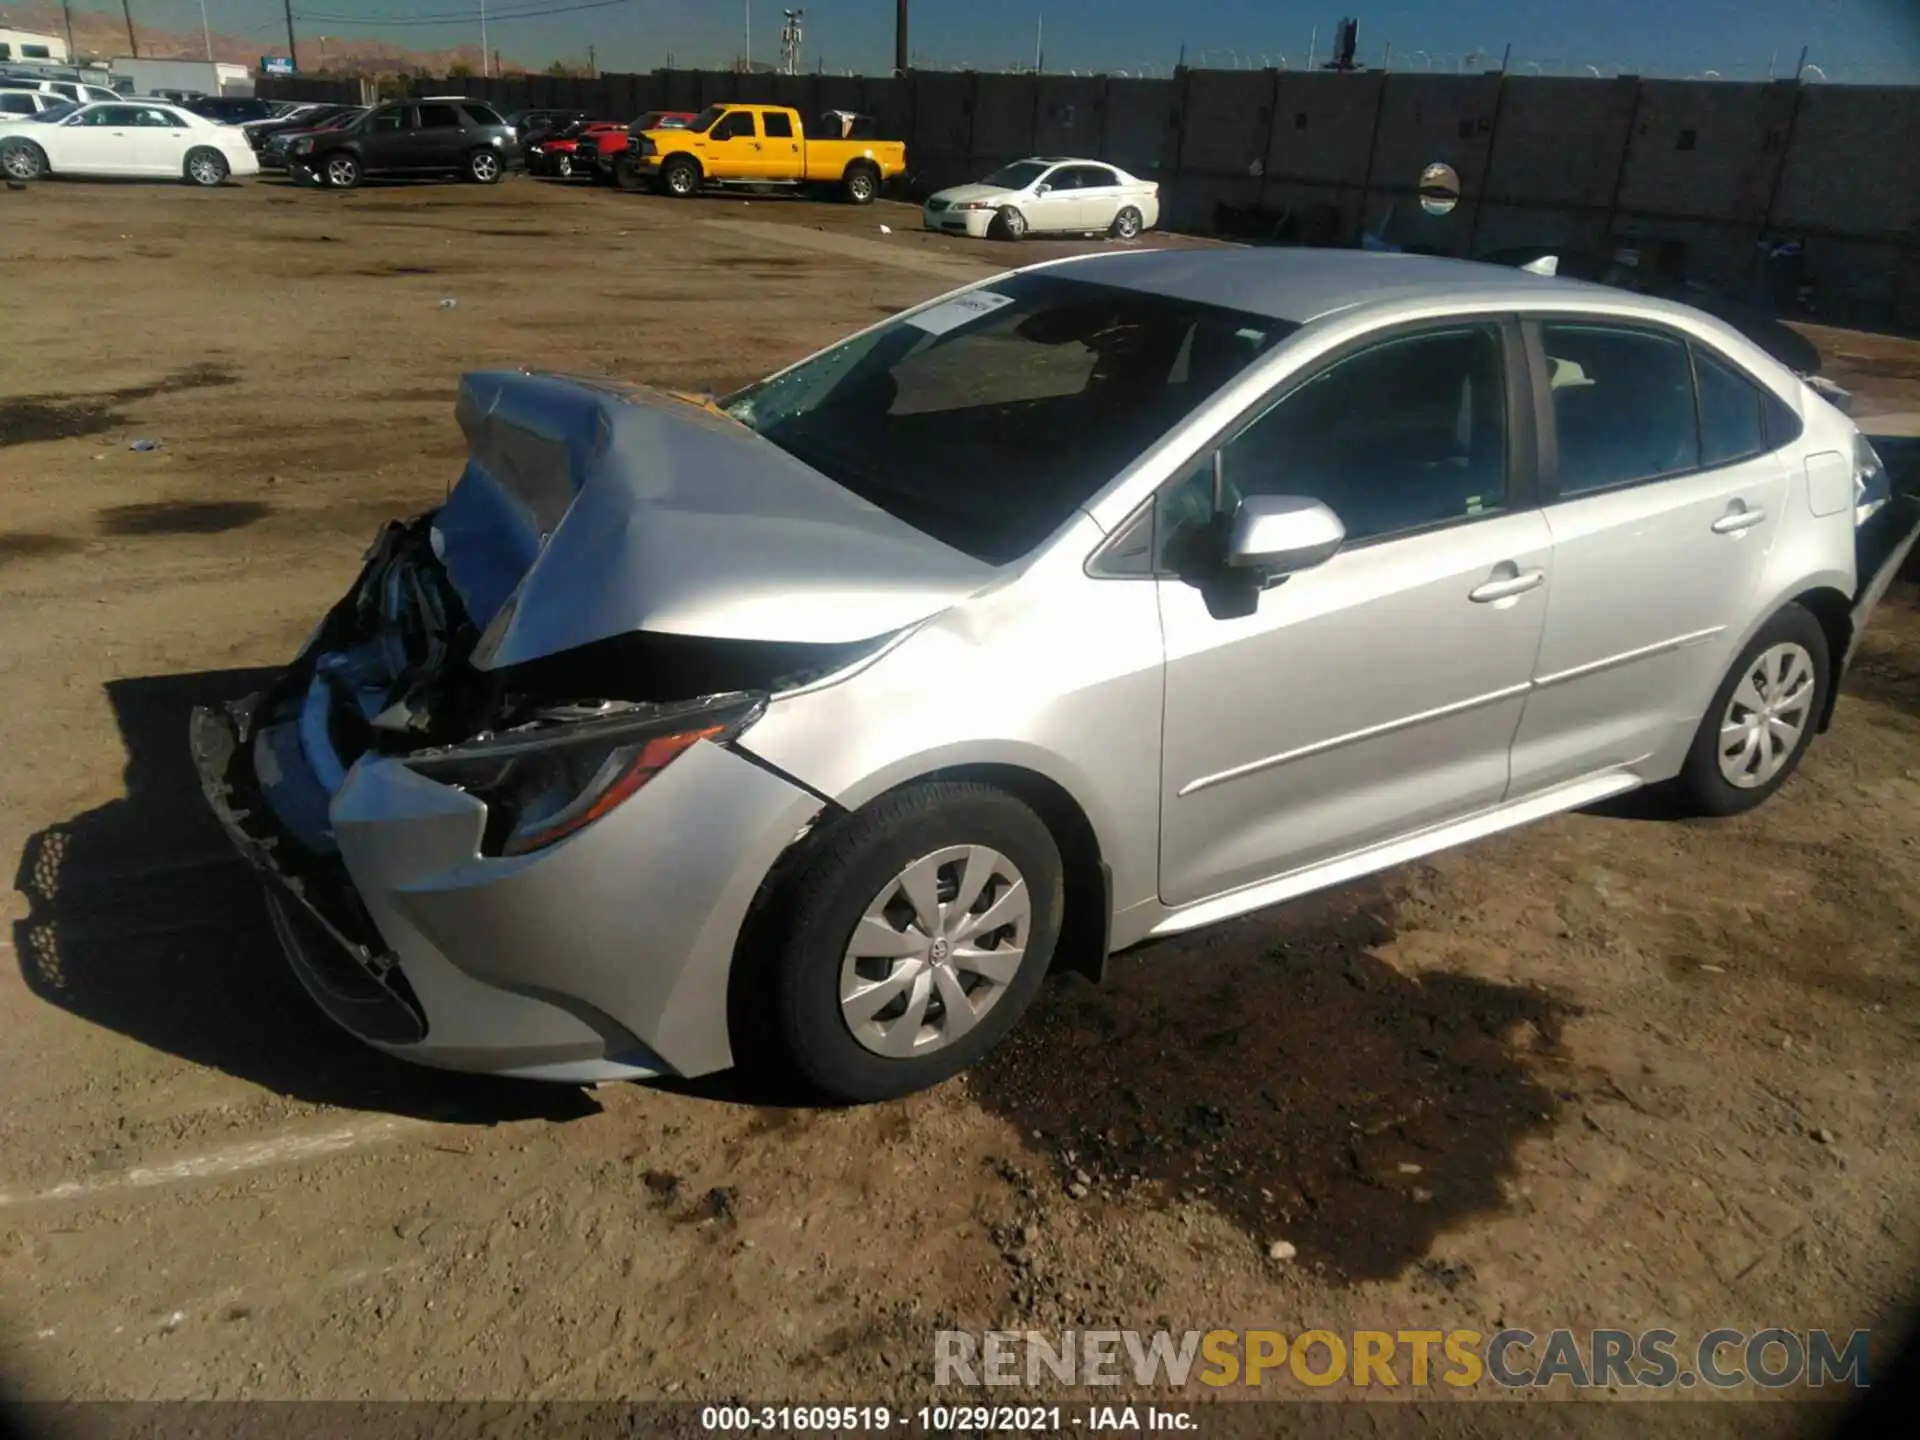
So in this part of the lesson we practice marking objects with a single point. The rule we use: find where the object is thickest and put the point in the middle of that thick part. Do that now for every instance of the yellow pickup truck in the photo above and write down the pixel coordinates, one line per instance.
(764, 145)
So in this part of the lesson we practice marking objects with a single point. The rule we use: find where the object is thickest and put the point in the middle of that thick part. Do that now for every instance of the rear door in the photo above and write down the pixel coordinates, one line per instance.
(1097, 197)
(781, 157)
(164, 138)
(440, 140)
(1663, 494)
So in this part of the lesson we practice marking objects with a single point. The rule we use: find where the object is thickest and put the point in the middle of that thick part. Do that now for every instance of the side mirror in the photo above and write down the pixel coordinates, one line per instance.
(1282, 535)
(1042, 188)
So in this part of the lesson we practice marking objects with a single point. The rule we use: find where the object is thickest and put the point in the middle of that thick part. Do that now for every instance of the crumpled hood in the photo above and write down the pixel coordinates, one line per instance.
(969, 194)
(587, 510)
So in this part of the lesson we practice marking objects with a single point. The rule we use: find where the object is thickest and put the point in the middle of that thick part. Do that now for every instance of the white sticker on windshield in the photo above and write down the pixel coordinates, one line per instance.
(952, 314)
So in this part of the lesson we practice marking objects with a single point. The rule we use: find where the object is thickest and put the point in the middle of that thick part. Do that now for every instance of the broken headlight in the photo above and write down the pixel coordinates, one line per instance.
(546, 781)
(1872, 488)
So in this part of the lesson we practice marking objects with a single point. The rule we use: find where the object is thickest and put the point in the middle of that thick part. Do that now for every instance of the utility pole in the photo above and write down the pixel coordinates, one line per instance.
(899, 37)
(593, 65)
(73, 56)
(206, 35)
(293, 50)
(486, 61)
(748, 67)
(1039, 42)
(134, 45)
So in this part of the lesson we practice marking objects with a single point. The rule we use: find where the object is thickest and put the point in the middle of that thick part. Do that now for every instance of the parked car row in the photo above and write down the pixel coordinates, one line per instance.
(674, 152)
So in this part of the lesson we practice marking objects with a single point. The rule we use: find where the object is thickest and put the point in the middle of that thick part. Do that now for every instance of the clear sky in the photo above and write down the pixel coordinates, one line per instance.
(1854, 40)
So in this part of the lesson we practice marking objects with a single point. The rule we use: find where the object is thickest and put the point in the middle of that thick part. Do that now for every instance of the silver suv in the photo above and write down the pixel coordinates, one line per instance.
(1103, 600)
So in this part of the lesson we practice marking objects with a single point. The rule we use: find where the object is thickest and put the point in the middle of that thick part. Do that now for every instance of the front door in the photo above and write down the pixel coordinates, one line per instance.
(384, 141)
(1377, 694)
(1661, 519)
(1054, 202)
(731, 149)
(101, 141)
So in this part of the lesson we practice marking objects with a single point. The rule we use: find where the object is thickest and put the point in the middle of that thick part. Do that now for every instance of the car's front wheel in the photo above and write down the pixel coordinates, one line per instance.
(913, 937)
(563, 166)
(207, 167)
(680, 177)
(484, 167)
(22, 160)
(1762, 718)
(1009, 223)
(340, 170)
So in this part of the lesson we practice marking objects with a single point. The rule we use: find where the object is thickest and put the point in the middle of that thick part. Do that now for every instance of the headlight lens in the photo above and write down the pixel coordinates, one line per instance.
(303, 147)
(545, 782)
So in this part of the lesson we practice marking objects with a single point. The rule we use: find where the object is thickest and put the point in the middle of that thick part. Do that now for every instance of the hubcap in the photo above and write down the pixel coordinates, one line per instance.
(1129, 226)
(935, 951)
(1769, 712)
(340, 172)
(19, 163)
(862, 186)
(682, 182)
(484, 166)
(205, 171)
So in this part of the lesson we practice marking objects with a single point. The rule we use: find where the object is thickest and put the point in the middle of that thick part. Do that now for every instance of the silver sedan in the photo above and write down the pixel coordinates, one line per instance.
(1101, 601)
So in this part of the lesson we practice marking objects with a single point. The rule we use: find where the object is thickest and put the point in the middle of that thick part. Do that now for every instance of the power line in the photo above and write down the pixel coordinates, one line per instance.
(455, 17)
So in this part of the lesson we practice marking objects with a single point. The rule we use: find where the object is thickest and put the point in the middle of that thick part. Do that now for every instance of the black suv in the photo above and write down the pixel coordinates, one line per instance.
(434, 135)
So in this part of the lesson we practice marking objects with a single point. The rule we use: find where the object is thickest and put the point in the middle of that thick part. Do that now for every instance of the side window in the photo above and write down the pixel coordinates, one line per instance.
(386, 121)
(1097, 177)
(1622, 406)
(114, 115)
(1732, 413)
(1407, 433)
(1065, 178)
(439, 117)
(15, 102)
(778, 126)
(735, 125)
(484, 115)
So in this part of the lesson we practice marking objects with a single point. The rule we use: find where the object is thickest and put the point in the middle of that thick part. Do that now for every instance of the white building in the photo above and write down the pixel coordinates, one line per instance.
(26, 45)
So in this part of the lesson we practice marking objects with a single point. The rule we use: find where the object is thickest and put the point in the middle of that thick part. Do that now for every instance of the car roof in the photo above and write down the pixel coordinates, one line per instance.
(1301, 285)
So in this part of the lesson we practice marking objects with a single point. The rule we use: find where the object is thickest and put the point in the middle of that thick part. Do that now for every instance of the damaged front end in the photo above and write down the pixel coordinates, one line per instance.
(440, 788)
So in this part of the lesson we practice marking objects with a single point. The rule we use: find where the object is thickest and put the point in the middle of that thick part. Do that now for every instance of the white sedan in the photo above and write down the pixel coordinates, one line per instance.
(133, 138)
(1052, 195)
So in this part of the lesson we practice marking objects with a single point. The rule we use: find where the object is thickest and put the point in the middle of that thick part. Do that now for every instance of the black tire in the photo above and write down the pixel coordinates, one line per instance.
(627, 175)
(861, 184)
(1701, 788)
(680, 178)
(22, 160)
(1008, 224)
(563, 166)
(484, 166)
(823, 900)
(1128, 224)
(338, 171)
(206, 167)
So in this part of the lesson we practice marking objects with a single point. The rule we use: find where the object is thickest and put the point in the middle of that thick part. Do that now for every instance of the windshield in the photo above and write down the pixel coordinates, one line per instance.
(54, 112)
(986, 420)
(1017, 176)
(705, 120)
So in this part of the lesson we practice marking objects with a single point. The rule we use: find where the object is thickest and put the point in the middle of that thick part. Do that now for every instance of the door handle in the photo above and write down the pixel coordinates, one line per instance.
(1738, 519)
(1505, 587)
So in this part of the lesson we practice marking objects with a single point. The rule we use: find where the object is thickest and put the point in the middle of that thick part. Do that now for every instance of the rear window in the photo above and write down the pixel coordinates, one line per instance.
(484, 115)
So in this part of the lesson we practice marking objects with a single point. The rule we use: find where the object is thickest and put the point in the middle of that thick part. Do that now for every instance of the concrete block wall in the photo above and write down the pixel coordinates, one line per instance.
(1719, 167)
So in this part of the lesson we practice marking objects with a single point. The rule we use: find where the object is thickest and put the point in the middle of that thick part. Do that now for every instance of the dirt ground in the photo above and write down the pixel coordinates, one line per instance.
(1601, 1072)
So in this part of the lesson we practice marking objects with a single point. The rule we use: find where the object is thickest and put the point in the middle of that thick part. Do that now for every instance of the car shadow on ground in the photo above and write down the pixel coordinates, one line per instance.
(1280, 1072)
(141, 919)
